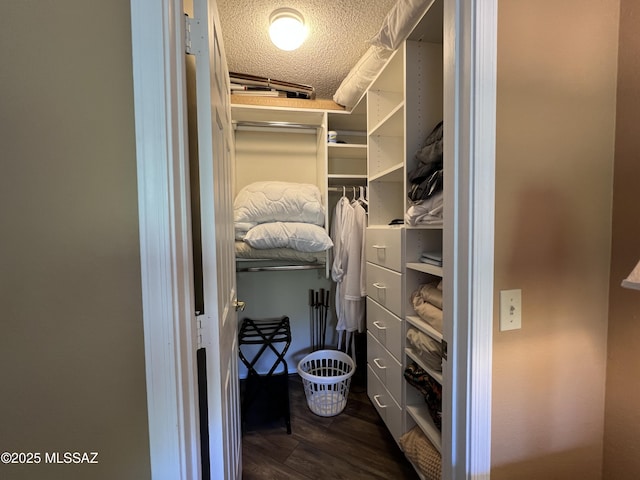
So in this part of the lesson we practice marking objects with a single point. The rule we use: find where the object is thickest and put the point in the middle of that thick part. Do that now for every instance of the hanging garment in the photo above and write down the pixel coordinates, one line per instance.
(355, 281)
(348, 270)
(340, 230)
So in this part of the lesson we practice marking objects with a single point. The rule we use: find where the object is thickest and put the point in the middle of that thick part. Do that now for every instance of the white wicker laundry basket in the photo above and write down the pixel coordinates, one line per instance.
(326, 376)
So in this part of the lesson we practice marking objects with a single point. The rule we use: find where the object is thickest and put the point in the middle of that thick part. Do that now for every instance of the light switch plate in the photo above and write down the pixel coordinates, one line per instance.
(510, 309)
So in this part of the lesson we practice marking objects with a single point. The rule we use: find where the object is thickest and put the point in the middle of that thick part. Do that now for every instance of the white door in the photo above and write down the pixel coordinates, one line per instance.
(219, 319)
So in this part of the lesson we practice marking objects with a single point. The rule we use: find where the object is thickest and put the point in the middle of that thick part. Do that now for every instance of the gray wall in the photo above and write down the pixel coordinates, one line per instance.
(71, 338)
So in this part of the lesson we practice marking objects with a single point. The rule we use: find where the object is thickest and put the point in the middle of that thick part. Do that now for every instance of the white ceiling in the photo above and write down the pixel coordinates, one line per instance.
(339, 31)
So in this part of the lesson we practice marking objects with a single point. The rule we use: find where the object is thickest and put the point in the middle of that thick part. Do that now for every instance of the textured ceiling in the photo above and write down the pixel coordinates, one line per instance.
(339, 31)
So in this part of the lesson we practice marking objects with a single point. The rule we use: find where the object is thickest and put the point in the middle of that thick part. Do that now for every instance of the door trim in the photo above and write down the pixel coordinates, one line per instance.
(165, 238)
(470, 100)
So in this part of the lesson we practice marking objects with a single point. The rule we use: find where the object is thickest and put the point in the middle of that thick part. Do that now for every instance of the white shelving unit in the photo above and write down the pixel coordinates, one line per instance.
(347, 159)
(404, 104)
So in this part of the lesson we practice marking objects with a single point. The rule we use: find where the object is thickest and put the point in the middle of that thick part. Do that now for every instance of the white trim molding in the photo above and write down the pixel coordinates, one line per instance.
(470, 101)
(165, 238)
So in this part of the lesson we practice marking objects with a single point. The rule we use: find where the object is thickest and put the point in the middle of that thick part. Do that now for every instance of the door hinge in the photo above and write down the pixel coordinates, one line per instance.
(199, 331)
(192, 36)
(444, 349)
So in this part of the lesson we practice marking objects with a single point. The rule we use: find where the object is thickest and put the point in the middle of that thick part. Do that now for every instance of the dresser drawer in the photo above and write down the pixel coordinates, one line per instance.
(385, 287)
(386, 406)
(385, 327)
(384, 247)
(385, 366)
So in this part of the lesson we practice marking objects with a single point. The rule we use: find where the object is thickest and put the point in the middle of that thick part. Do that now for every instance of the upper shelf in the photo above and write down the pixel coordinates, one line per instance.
(286, 103)
(347, 150)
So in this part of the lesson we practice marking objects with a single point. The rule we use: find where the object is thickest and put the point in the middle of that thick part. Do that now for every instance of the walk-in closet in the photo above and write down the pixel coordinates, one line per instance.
(339, 221)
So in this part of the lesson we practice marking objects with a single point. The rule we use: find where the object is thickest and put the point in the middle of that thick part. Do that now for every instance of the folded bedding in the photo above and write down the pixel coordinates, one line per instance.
(429, 388)
(245, 252)
(421, 453)
(427, 311)
(428, 350)
(242, 228)
(361, 75)
(435, 256)
(273, 201)
(399, 22)
(430, 261)
(395, 28)
(303, 237)
(431, 292)
(426, 212)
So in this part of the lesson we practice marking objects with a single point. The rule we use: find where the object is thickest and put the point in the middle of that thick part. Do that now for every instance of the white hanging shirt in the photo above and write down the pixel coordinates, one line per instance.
(342, 222)
(354, 278)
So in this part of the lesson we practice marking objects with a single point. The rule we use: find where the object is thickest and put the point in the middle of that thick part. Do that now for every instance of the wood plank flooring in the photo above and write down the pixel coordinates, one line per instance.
(353, 445)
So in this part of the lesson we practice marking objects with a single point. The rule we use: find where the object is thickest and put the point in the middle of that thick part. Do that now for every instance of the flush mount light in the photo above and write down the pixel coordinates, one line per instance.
(287, 29)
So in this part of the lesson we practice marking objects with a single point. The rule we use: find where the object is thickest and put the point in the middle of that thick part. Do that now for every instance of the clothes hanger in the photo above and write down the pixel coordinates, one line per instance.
(362, 198)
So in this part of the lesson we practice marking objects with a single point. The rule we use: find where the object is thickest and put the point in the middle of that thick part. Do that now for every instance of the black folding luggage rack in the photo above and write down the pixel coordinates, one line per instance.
(269, 391)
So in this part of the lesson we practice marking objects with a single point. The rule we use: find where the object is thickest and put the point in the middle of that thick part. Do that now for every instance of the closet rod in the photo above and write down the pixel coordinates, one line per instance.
(346, 188)
(312, 266)
(299, 127)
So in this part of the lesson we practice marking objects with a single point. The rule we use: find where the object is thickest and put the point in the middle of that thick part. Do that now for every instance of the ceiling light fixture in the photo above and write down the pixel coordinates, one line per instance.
(287, 29)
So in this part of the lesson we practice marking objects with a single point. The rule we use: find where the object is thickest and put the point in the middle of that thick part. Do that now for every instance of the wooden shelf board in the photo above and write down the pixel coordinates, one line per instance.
(318, 104)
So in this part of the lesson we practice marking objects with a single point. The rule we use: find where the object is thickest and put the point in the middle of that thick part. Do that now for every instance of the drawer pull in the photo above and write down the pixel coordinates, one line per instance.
(375, 399)
(378, 364)
(379, 247)
(378, 326)
(379, 286)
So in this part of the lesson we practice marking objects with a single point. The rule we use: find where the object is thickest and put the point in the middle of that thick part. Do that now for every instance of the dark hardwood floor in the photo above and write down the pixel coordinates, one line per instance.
(352, 445)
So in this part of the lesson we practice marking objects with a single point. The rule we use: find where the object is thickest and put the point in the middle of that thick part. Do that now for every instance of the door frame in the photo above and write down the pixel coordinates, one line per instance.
(165, 242)
(157, 36)
(470, 60)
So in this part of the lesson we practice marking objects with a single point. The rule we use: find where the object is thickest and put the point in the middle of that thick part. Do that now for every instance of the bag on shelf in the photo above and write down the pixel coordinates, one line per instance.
(425, 179)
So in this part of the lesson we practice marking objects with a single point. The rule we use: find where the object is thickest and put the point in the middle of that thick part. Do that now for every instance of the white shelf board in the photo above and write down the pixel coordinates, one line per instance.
(437, 376)
(420, 415)
(347, 176)
(424, 327)
(426, 226)
(392, 125)
(425, 268)
(391, 174)
(347, 150)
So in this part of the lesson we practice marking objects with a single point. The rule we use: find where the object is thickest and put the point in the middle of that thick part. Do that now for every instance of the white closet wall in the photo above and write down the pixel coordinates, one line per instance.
(264, 154)
(267, 153)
